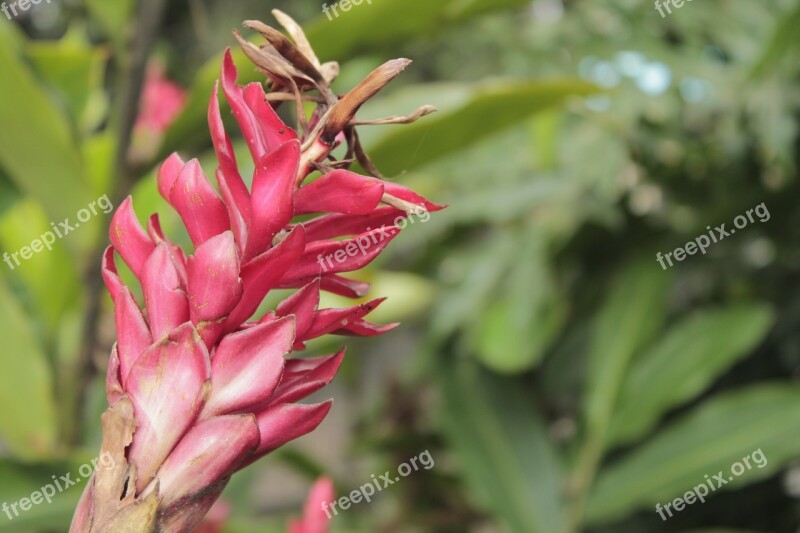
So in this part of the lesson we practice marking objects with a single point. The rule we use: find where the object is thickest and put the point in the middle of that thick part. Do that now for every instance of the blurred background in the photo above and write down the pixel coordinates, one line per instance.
(560, 378)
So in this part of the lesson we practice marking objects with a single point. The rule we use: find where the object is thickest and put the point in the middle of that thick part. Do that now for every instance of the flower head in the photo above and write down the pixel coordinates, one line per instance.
(199, 384)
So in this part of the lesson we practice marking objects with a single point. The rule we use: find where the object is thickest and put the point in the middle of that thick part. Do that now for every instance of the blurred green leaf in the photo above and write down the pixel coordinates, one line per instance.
(113, 17)
(683, 363)
(20, 481)
(27, 418)
(490, 109)
(783, 43)
(75, 70)
(506, 344)
(628, 319)
(717, 434)
(98, 153)
(525, 316)
(503, 448)
(465, 9)
(37, 150)
(338, 37)
(50, 275)
(479, 268)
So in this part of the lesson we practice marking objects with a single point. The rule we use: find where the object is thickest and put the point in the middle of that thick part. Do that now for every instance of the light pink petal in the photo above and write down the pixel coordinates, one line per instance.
(272, 199)
(133, 335)
(82, 519)
(167, 387)
(168, 173)
(176, 252)
(129, 239)
(214, 284)
(154, 230)
(227, 158)
(340, 191)
(164, 297)
(297, 384)
(262, 274)
(110, 275)
(302, 305)
(247, 366)
(197, 203)
(282, 423)
(209, 452)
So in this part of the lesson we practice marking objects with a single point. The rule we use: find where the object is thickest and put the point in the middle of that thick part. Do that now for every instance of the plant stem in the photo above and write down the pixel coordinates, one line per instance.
(149, 14)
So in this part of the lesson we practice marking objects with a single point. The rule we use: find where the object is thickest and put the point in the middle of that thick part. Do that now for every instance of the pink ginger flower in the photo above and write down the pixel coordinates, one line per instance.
(198, 386)
(161, 102)
(314, 519)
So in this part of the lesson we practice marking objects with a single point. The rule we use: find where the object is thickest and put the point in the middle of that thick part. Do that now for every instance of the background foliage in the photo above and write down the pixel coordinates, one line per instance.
(560, 378)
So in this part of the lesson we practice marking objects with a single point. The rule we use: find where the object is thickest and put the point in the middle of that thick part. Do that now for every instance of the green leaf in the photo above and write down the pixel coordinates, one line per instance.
(49, 276)
(75, 70)
(114, 17)
(519, 324)
(510, 466)
(27, 418)
(480, 269)
(490, 109)
(20, 481)
(340, 37)
(507, 345)
(466, 9)
(783, 43)
(708, 440)
(37, 150)
(628, 319)
(683, 363)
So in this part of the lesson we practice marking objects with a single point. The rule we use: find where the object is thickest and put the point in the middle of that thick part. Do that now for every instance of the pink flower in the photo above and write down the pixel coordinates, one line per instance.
(314, 519)
(161, 101)
(198, 383)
